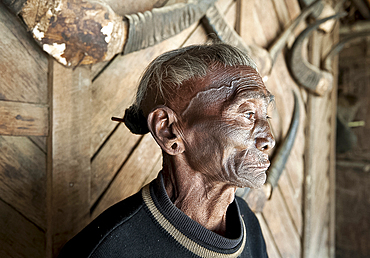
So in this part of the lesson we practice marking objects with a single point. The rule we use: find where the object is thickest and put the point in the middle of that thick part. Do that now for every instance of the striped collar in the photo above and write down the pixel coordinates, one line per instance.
(188, 233)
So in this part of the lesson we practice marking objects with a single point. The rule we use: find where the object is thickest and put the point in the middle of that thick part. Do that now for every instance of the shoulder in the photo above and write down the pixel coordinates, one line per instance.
(84, 243)
(255, 241)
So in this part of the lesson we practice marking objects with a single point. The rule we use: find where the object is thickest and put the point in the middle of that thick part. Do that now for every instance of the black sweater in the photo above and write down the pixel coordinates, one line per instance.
(147, 224)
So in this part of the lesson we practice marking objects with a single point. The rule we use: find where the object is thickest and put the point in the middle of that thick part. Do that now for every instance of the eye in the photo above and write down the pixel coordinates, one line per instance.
(268, 117)
(249, 115)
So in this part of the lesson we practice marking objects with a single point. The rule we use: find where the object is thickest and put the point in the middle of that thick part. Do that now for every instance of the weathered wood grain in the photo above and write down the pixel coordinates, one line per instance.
(250, 26)
(40, 141)
(332, 166)
(23, 178)
(69, 155)
(281, 226)
(272, 250)
(110, 158)
(132, 175)
(18, 236)
(282, 13)
(23, 65)
(268, 20)
(293, 8)
(154, 173)
(292, 202)
(23, 119)
(317, 161)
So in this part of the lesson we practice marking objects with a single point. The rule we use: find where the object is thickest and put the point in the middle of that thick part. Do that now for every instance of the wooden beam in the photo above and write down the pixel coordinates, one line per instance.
(358, 26)
(332, 162)
(68, 154)
(23, 119)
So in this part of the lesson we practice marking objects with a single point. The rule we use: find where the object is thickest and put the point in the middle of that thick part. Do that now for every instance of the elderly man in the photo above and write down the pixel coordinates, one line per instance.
(206, 107)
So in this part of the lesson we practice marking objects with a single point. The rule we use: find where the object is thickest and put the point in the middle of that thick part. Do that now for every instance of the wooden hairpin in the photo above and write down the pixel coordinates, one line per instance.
(117, 119)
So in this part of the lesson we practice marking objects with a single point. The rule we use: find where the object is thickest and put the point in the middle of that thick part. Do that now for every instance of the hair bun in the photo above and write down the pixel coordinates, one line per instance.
(135, 120)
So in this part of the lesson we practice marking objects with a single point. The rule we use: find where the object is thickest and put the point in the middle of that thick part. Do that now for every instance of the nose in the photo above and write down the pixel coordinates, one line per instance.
(265, 141)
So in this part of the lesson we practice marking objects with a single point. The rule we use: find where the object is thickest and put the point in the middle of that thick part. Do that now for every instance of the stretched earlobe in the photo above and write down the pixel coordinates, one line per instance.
(163, 125)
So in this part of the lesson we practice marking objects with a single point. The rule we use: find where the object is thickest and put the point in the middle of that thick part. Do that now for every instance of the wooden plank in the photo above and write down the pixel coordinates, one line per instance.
(293, 8)
(272, 250)
(23, 178)
(132, 175)
(332, 168)
(113, 91)
(40, 141)
(282, 13)
(230, 15)
(20, 56)
(18, 236)
(292, 203)
(154, 173)
(68, 154)
(250, 27)
(23, 119)
(317, 161)
(268, 20)
(281, 226)
(110, 158)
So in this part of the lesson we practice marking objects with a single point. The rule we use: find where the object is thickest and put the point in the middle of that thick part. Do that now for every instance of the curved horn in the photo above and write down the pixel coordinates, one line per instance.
(281, 156)
(304, 73)
(215, 24)
(151, 27)
(339, 46)
(280, 43)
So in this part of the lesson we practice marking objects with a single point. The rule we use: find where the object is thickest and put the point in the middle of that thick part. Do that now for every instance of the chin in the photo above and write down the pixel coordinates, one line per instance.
(255, 181)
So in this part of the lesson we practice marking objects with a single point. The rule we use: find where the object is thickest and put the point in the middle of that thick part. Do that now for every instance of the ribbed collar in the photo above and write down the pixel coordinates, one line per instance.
(193, 230)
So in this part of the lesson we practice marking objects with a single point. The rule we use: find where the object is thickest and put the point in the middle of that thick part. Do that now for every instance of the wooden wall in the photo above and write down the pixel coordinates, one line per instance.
(63, 161)
(353, 178)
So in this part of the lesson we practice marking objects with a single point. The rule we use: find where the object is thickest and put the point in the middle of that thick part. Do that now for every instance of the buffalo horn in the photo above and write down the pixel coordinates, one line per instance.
(215, 25)
(280, 43)
(282, 154)
(151, 27)
(304, 73)
(339, 46)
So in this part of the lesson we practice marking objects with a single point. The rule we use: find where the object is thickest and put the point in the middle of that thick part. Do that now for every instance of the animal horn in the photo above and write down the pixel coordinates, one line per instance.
(151, 27)
(339, 46)
(316, 7)
(304, 73)
(282, 154)
(215, 25)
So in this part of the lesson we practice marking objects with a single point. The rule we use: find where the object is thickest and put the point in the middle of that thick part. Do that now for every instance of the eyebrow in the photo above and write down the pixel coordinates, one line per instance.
(251, 94)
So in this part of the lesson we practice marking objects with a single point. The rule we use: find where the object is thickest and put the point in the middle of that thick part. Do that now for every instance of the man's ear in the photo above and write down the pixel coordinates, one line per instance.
(163, 124)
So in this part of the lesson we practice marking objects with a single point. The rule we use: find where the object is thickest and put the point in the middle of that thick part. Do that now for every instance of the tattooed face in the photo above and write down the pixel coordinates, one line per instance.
(225, 127)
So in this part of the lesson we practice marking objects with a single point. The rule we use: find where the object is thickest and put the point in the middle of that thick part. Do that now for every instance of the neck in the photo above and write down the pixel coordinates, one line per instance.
(202, 201)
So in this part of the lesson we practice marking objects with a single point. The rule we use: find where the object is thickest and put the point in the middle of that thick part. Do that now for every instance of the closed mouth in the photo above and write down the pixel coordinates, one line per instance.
(259, 166)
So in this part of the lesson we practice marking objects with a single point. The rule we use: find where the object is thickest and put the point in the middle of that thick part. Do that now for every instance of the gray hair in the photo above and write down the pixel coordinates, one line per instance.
(166, 73)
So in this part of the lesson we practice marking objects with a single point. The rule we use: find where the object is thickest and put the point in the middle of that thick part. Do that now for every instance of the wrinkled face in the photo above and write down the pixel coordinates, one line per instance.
(226, 129)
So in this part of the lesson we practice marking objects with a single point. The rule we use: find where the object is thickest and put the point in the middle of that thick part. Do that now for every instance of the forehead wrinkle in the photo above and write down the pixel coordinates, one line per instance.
(200, 96)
